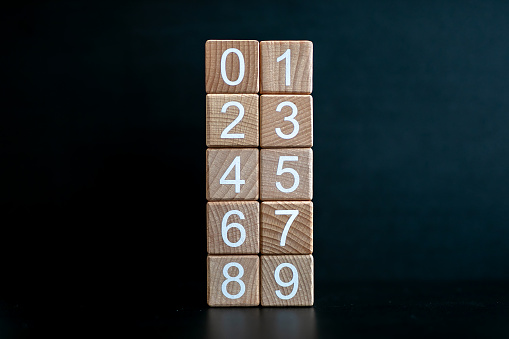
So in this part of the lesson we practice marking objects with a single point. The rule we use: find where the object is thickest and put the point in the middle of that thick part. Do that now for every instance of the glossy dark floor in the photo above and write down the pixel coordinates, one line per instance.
(384, 310)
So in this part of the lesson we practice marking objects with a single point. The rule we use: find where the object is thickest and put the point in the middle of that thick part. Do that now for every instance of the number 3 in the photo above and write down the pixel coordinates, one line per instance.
(290, 118)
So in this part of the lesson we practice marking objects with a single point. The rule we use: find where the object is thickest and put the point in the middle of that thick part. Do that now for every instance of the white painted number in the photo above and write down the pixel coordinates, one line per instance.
(286, 55)
(242, 66)
(294, 281)
(235, 279)
(290, 118)
(293, 214)
(225, 228)
(237, 181)
(224, 134)
(281, 170)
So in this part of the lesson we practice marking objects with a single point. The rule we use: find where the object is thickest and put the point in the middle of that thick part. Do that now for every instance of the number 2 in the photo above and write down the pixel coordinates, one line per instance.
(224, 134)
(286, 55)
(293, 214)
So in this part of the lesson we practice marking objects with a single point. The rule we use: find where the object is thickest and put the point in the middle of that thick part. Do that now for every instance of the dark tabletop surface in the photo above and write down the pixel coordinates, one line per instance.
(381, 310)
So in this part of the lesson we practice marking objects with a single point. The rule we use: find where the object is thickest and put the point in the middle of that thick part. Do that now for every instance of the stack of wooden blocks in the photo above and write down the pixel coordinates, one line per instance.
(259, 149)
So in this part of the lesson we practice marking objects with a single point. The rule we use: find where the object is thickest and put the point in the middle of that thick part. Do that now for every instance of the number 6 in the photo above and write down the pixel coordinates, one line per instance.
(225, 228)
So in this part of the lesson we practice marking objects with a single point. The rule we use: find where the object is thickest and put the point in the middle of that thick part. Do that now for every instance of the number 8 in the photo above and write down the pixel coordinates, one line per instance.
(294, 281)
(236, 279)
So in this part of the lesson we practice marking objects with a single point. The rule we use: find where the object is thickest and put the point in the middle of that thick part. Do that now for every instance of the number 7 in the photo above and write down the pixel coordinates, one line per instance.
(293, 214)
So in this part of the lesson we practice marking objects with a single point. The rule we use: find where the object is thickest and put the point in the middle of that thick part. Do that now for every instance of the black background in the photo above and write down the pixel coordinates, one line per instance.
(103, 143)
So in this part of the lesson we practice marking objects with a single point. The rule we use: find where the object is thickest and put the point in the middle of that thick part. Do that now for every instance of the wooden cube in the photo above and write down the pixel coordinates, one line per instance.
(287, 280)
(286, 67)
(232, 120)
(233, 280)
(232, 174)
(286, 121)
(286, 174)
(232, 66)
(286, 227)
(233, 227)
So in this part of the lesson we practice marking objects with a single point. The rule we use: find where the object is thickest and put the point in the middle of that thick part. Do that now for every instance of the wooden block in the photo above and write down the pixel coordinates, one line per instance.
(232, 120)
(286, 227)
(286, 121)
(233, 280)
(286, 67)
(232, 174)
(233, 227)
(232, 66)
(286, 174)
(287, 280)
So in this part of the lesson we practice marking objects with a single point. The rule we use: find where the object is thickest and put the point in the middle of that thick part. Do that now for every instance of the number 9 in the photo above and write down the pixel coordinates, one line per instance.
(294, 281)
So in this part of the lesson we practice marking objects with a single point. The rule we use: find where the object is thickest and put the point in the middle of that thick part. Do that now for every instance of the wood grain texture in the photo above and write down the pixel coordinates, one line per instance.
(214, 82)
(251, 279)
(217, 121)
(305, 268)
(299, 239)
(271, 119)
(251, 223)
(218, 161)
(269, 159)
(273, 73)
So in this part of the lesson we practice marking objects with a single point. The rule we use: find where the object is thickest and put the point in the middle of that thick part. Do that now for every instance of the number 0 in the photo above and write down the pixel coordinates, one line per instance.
(242, 66)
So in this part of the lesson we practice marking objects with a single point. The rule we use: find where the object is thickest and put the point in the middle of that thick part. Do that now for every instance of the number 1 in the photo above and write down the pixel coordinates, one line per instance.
(286, 55)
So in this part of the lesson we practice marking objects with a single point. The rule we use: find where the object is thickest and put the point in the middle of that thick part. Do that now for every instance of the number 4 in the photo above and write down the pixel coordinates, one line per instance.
(237, 181)
(293, 214)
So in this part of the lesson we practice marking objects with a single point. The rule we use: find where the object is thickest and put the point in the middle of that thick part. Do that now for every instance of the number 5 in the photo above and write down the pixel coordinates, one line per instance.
(281, 170)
